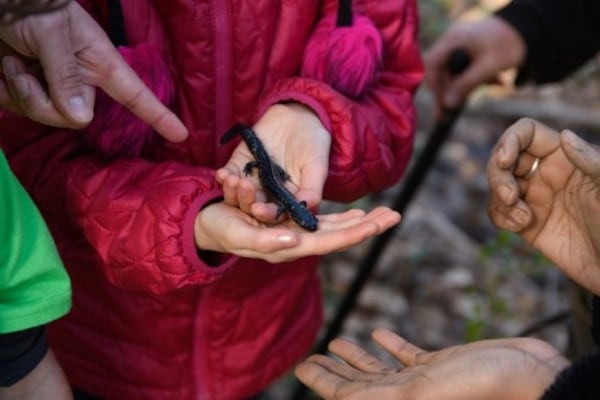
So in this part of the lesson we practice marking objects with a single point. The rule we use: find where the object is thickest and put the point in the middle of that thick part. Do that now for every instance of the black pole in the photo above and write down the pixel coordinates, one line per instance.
(413, 181)
(458, 62)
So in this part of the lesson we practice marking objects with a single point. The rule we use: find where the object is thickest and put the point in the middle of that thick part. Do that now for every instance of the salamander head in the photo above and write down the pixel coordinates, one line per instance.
(303, 217)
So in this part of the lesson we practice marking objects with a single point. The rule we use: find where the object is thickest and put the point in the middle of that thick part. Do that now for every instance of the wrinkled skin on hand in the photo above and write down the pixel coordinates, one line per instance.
(52, 63)
(512, 369)
(557, 208)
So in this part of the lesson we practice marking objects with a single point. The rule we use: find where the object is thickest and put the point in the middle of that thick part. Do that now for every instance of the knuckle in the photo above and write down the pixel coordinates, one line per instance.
(69, 76)
(133, 102)
(525, 122)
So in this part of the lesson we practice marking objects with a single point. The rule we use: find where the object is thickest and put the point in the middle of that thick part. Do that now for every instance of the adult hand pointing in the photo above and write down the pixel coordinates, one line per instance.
(52, 63)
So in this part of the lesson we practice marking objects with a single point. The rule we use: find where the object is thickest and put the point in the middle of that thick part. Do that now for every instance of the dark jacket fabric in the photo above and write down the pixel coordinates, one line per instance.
(581, 380)
(560, 35)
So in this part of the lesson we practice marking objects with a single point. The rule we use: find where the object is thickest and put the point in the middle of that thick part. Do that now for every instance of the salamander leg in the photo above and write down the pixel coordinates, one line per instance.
(250, 166)
(280, 211)
(282, 174)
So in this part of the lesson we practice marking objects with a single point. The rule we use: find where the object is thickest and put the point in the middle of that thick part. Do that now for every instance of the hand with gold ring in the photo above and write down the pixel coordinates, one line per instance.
(545, 185)
(533, 168)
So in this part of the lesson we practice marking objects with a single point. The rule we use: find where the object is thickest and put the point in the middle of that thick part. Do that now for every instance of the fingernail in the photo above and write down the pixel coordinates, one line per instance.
(572, 136)
(22, 87)
(570, 133)
(285, 239)
(79, 109)
(520, 216)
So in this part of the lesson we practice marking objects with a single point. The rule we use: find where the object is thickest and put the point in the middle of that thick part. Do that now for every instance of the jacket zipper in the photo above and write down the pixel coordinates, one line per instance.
(223, 65)
(223, 44)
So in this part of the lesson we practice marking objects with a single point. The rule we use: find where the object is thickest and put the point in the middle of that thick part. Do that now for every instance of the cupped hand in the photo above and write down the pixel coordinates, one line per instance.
(493, 46)
(296, 140)
(228, 229)
(52, 64)
(519, 368)
(556, 207)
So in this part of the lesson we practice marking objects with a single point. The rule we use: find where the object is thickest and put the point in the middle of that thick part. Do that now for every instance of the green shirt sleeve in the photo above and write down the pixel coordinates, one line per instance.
(34, 286)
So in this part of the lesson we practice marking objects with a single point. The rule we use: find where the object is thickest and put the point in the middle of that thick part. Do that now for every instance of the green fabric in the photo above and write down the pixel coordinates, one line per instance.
(34, 286)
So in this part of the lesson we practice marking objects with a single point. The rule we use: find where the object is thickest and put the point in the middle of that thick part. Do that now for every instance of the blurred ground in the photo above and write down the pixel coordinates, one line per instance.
(448, 275)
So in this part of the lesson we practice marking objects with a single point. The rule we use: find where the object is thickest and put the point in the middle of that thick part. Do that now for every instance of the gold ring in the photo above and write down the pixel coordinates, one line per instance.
(534, 167)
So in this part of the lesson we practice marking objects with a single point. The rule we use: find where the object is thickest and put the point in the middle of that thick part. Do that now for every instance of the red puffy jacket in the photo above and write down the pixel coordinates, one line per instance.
(150, 319)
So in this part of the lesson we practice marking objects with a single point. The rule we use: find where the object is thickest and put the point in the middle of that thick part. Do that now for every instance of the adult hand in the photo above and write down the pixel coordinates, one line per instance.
(69, 52)
(227, 229)
(491, 369)
(493, 46)
(297, 141)
(556, 207)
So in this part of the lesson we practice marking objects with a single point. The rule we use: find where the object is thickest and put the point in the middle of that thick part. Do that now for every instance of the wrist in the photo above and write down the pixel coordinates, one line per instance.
(288, 111)
(531, 380)
(202, 237)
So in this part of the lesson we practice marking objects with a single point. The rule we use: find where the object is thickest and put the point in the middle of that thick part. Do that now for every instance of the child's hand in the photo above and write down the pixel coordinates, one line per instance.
(555, 207)
(69, 51)
(491, 369)
(227, 229)
(297, 141)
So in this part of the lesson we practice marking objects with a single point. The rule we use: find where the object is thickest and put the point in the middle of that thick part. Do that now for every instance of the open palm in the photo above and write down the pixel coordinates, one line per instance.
(519, 368)
(227, 229)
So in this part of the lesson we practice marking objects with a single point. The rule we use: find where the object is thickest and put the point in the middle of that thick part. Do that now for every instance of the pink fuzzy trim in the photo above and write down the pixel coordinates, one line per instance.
(115, 131)
(347, 58)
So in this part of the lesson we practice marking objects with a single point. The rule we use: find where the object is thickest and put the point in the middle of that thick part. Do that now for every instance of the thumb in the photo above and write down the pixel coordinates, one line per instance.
(68, 92)
(581, 153)
(311, 185)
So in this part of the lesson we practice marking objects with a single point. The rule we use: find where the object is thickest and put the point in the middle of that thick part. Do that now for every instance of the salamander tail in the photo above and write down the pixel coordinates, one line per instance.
(236, 129)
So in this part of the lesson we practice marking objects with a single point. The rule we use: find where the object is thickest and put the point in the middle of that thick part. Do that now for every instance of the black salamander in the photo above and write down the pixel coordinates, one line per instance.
(272, 178)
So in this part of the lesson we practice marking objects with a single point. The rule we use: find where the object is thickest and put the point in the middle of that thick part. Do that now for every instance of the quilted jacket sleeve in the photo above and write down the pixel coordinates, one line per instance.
(372, 137)
(138, 215)
(560, 35)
